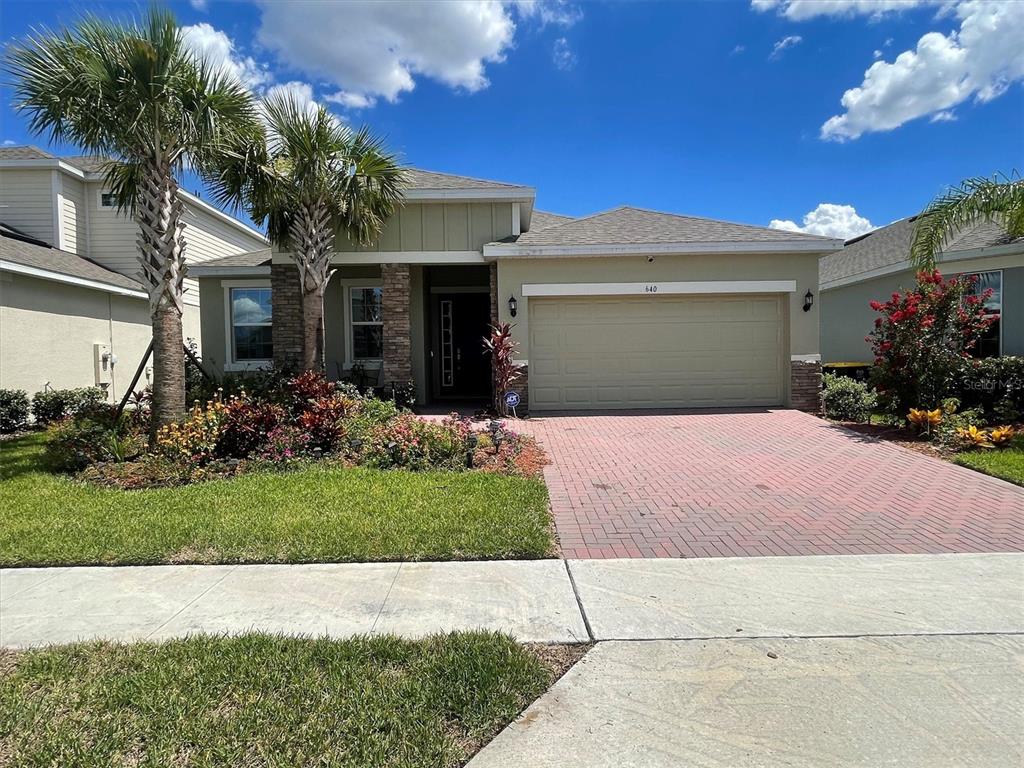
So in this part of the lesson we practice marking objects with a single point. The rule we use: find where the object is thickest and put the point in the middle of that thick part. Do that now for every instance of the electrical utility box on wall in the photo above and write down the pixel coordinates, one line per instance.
(103, 361)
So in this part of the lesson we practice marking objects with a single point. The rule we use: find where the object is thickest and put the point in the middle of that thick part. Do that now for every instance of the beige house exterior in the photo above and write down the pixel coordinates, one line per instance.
(626, 308)
(69, 301)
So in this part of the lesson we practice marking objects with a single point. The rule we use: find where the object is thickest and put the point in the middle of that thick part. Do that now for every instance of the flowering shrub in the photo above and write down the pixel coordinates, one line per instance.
(194, 440)
(922, 338)
(285, 444)
(412, 443)
(246, 425)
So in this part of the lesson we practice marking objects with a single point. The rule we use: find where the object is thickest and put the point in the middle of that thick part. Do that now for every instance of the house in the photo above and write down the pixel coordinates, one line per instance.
(871, 267)
(72, 313)
(627, 308)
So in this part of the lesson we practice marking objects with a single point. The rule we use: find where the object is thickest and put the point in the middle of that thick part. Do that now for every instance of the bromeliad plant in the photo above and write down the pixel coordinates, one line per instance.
(922, 338)
(504, 368)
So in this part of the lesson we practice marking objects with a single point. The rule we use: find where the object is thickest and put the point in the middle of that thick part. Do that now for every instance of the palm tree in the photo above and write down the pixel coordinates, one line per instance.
(134, 93)
(311, 177)
(999, 200)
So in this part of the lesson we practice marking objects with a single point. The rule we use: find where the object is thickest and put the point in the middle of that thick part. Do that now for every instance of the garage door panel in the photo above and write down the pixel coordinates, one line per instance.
(637, 352)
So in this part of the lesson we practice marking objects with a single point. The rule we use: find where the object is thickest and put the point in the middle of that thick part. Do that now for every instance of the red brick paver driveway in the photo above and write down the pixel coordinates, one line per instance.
(706, 484)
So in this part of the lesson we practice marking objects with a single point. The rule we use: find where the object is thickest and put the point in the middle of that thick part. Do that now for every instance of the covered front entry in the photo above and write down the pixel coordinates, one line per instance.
(459, 307)
(680, 351)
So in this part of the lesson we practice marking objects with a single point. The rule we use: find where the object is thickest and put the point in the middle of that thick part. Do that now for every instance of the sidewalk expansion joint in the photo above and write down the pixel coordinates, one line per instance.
(579, 601)
(384, 602)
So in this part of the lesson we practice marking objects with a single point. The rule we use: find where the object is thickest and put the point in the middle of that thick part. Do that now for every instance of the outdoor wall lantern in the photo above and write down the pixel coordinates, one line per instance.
(808, 301)
(513, 305)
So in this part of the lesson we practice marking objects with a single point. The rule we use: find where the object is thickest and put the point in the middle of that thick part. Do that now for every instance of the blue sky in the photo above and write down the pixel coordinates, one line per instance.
(681, 107)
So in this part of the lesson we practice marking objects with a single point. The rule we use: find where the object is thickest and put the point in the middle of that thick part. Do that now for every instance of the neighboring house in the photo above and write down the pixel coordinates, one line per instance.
(623, 309)
(873, 266)
(69, 299)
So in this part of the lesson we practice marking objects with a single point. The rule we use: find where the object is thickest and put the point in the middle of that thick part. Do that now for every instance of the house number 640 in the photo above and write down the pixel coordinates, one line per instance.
(650, 289)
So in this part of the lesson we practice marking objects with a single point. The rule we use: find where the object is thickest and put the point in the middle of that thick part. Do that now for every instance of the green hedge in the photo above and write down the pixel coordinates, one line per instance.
(995, 384)
(13, 410)
(56, 404)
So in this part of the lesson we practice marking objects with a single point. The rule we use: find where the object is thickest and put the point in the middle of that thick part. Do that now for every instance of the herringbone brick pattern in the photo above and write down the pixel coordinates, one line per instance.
(704, 484)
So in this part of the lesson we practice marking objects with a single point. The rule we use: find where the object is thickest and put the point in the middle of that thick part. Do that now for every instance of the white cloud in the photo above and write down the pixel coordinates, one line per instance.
(299, 91)
(559, 12)
(980, 60)
(9, 143)
(199, 5)
(738, 50)
(945, 116)
(801, 10)
(877, 54)
(370, 50)
(562, 55)
(830, 220)
(351, 100)
(787, 42)
(219, 51)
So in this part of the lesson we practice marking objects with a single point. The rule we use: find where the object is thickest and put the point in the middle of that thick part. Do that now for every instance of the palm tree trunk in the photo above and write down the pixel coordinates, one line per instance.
(161, 245)
(168, 369)
(313, 330)
(312, 238)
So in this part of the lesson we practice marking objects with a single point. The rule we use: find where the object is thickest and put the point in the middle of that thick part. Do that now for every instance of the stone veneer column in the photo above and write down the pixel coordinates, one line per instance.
(805, 386)
(286, 326)
(494, 292)
(397, 282)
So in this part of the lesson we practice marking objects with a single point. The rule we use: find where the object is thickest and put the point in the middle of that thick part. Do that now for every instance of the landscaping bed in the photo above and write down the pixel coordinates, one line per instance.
(318, 513)
(261, 700)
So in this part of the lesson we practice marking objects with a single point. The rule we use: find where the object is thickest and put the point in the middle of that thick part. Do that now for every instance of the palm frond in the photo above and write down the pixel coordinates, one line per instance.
(999, 200)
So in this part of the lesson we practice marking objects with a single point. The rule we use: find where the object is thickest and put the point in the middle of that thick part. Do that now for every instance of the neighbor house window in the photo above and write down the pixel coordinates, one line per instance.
(367, 323)
(990, 343)
(108, 200)
(251, 334)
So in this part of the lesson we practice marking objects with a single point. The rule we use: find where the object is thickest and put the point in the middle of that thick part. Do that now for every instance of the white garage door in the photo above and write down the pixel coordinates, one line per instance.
(656, 352)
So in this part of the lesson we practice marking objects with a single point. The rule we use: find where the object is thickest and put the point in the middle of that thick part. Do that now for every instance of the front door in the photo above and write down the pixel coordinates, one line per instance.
(462, 368)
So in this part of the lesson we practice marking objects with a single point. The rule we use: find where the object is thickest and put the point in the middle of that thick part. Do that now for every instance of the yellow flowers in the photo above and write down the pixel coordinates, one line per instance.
(193, 440)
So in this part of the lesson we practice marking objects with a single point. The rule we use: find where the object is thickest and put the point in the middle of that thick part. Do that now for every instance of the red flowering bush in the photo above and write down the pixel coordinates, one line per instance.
(921, 339)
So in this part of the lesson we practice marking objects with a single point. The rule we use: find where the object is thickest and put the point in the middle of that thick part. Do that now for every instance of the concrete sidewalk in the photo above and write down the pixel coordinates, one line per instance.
(537, 601)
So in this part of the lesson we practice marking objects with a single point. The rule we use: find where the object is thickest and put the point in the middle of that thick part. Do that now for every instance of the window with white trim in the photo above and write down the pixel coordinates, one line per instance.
(990, 344)
(108, 200)
(251, 320)
(367, 322)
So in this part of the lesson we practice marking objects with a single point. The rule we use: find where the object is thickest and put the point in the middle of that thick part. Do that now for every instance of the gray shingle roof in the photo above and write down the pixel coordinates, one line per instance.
(542, 220)
(28, 152)
(890, 246)
(420, 179)
(41, 256)
(632, 226)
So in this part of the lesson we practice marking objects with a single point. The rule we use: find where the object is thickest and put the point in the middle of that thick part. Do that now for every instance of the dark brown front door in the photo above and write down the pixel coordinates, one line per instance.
(461, 365)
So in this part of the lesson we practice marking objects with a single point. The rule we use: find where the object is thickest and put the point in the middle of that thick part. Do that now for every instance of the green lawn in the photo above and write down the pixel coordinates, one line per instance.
(312, 515)
(1007, 463)
(262, 700)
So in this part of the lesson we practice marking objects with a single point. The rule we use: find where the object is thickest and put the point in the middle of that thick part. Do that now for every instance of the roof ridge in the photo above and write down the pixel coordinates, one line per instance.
(468, 178)
(722, 221)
